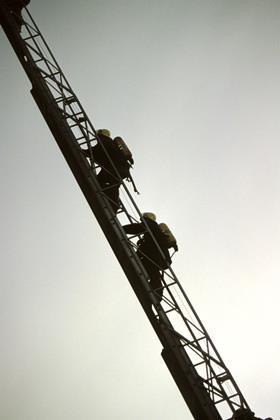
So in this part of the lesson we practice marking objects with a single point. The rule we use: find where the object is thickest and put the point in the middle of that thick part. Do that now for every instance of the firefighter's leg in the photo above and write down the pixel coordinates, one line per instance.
(155, 279)
(105, 178)
(114, 197)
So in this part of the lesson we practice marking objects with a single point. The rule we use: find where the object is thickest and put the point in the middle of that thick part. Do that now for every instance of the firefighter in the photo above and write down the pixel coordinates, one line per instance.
(153, 259)
(114, 164)
(105, 150)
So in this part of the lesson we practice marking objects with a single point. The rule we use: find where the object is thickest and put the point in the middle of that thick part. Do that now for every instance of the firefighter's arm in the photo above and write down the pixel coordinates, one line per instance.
(134, 228)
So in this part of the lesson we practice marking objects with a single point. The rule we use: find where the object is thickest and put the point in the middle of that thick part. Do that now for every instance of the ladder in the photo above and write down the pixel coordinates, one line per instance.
(203, 379)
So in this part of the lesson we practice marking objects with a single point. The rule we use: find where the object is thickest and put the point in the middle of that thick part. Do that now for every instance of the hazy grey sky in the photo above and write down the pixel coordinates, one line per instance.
(193, 87)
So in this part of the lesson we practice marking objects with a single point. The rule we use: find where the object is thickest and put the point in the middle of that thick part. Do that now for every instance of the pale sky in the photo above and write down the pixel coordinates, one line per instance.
(193, 88)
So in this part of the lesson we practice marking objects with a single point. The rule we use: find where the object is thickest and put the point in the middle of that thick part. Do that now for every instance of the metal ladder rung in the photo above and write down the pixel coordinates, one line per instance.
(170, 284)
(136, 235)
(84, 142)
(199, 363)
(70, 100)
(82, 119)
(120, 210)
(59, 99)
(73, 117)
(170, 310)
(50, 76)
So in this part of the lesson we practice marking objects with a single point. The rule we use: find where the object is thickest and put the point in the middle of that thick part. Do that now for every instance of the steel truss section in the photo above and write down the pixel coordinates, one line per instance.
(188, 349)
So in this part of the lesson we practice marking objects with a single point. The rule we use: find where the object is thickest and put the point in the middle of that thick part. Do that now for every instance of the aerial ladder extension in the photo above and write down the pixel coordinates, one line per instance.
(203, 379)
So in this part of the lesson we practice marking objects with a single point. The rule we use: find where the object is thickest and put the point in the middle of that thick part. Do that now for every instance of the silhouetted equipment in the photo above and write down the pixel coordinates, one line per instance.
(169, 238)
(126, 160)
(123, 149)
(204, 381)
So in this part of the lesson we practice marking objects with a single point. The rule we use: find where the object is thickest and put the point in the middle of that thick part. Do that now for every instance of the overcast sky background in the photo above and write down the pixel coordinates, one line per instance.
(193, 87)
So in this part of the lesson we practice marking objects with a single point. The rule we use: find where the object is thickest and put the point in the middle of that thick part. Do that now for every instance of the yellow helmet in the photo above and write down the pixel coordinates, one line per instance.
(104, 131)
(150, 216)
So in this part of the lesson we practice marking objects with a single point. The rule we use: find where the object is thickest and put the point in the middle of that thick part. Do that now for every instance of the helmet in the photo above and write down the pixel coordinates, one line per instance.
(150, 216)
(104, 131)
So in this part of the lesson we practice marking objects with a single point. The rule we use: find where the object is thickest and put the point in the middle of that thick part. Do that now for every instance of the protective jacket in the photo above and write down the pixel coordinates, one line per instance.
(100, 156)
(146, 245)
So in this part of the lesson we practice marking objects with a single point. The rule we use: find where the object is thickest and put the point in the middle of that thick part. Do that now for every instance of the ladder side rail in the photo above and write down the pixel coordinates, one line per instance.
(38, 84)
(76, 99)
(93, 129)
(113, 221)
(104, 214)
(68, 85)
(174, 276)
(131, 198)
(121, 229)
